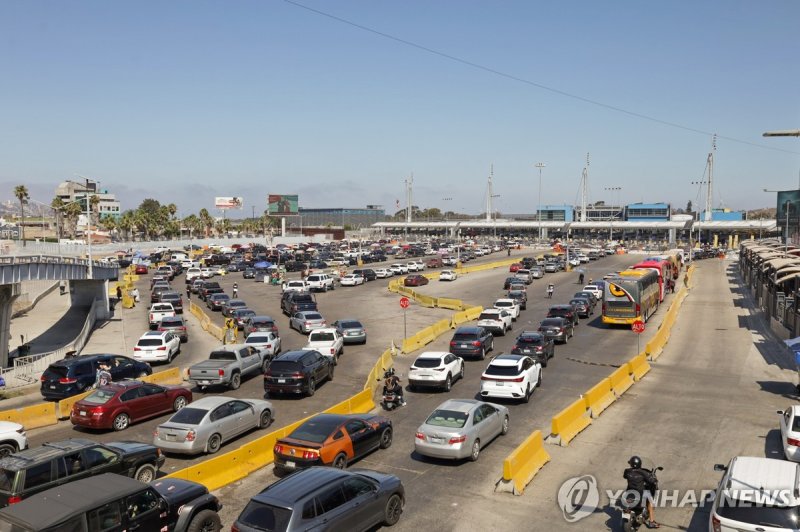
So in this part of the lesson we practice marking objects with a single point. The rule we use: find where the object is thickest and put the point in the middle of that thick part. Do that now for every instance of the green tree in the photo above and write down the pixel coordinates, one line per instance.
(57, 205)
(21, 192)
(207, 222)
(71, 213)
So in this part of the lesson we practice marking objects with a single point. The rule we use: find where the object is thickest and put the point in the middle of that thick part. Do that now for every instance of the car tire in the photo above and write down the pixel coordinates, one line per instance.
(312, 387)
(265, 420)
(476, 451)
(121, 422)
(544, 361)
(178, 403)
(264, 366)
(214, 443)
(448, 383)
(539, 380)
(330, 374)
(340, 462)
(482, 354)
(145, 473)
(7, 449)
(394, 507)
(203, 521)
(461, 373)
(386, 438)
(143, 374)
(236, 381)
(527, 396)
(504, 429)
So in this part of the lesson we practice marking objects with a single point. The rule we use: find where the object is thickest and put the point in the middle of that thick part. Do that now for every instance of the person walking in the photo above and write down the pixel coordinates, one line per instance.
(188, 292)
(119, 293)
(235, 290)
(580, 278)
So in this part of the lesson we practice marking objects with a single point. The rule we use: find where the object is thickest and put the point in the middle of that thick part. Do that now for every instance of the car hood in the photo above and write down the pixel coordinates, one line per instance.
(178, 492)
(9, 426)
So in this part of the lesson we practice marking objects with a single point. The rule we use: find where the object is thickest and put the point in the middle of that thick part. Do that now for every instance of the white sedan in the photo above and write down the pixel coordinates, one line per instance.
(383, 273)
(511, 377)
(448, 275)
(790, 432)
(511, 306)
(157, 346)
(267, 342)
(351, 279)
(437, 369)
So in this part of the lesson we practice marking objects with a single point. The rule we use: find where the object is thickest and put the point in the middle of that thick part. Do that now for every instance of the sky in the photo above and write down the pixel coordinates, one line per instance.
(341, 101)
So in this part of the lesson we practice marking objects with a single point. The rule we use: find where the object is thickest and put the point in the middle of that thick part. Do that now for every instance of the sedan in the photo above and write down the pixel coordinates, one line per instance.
(141, 269)
(353, 331)
(436, 369)
(790, 432)
(536, 345)
(415, 280)
(559, 329)
(514, 267)
(460, 428)
(383, 273)
(249, 273)
(448, 275)
(551, 267)
(268, 343)
(117, 405)
(241, 315)
(231, 305)
(582, 306)
(176, 325)
(209, 422)
(157, 346)
(217, 301)
(351, 279)
(333, 440)
(307, 320)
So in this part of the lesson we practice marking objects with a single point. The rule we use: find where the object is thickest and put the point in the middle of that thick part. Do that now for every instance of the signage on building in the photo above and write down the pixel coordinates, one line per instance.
(282, 203)
(9, 231)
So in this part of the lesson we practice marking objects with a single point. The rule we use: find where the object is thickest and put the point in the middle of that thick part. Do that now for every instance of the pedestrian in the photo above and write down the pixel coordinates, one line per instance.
(103, 375)
(580, 278)
(797, 364)
(508, 252)
(235, 290)
(119, 293)
(671, 285)
(62, 287)
(135, 295)
(188, 291)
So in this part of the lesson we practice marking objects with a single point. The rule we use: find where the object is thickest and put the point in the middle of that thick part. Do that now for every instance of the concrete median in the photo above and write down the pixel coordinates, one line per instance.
(568, 423)
(32, 417)
(621, 379)
(169, 376)
(450, 304)
(639, 366)
(65, 405)
(522, 464)
(599, 397)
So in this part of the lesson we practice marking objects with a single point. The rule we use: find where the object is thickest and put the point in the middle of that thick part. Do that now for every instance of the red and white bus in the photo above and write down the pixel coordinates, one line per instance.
(663, 267)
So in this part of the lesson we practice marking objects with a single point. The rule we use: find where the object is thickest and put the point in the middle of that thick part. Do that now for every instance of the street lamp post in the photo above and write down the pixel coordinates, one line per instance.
(611, 218)
(539, 209)
(495, 216)
(445, 214)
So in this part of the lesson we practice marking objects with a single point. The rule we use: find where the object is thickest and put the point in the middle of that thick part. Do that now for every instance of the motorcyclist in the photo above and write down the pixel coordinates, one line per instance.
(391, 385)
(643, 482)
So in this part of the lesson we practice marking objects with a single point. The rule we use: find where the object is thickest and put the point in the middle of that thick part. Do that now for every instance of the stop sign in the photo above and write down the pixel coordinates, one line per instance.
(637, 326)
(404, 302)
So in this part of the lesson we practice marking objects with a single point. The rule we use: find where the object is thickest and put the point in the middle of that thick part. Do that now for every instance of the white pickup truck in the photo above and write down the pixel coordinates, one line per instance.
(327, 341)
(158, 311)
(495, 320)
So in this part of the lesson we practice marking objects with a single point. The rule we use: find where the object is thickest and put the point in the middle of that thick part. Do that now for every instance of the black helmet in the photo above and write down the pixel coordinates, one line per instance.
(635, 462)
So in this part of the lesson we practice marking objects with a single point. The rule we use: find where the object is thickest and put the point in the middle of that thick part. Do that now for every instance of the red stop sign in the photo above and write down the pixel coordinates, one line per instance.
(637, 326)
(404, 302)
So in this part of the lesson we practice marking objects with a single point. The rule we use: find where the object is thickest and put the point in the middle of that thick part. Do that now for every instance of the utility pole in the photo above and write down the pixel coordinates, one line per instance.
(489, 195)
(585, 189)
(710, 184)
(539, 210)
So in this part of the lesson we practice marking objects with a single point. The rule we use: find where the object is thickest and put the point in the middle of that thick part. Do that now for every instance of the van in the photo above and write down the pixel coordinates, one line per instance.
(434, 262)
(178, 257)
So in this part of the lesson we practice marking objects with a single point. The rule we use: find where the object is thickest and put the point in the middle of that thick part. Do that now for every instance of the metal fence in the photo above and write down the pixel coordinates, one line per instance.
(28, 369)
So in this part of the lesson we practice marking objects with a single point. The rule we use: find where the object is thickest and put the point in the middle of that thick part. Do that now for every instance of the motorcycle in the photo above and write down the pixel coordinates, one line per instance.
(390, 401)
(634, 508)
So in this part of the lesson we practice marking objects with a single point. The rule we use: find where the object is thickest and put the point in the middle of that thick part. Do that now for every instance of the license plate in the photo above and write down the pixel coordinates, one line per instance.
(436, 440)
(52, 387)
(205, 382)
(291, 464)
(499, 383)
(464, 345)
(171, 437)
(281, 381)
(82, 413)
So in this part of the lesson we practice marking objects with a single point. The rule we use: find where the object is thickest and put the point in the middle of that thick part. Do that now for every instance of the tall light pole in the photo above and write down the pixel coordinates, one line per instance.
(495, 214)
(445, 214)
(611, 223)
(539, 210)
(89, 223)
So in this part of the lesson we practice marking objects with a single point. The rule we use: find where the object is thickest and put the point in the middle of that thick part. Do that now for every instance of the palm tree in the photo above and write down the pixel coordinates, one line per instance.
(207, 221)
(21, 192)
(71, 213)
(94, 206)
(126, 223)
(57, 204)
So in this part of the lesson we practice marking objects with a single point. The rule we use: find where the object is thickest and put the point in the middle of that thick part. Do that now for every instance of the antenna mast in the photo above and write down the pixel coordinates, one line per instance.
(409, 183)
(584, 189)
(489, 195)
(709, 196)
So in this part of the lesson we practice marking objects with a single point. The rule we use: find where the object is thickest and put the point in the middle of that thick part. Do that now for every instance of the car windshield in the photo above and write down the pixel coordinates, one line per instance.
(315, 430)
(171, 322)
(261, 323)
(503, 303)
(256, 339)
(234, 304)
(149, 342)
(55, 373)
(447, 418)
(350, 325)
(551, 323)
(502, 371)
(99, 397)
(220, 297)
(222, 355)
(530, 340)
(189, 415)
(578, 302)
(427, 362)
(303, 298)
(161, 308)
(265, 517)
(284, 365)
(779, 517)
(488, 316)
(465, 337)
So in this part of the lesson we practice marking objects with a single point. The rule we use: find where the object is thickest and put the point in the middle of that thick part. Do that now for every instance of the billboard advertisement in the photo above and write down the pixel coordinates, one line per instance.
(788, 199)
(228, 202)
(282, 203)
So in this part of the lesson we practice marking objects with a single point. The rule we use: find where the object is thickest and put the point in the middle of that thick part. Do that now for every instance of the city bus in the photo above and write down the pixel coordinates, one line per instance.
(630, 295)
(663, 267)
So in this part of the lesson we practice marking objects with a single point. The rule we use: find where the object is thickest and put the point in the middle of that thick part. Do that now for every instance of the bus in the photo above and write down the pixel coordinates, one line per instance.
(630, 295)
(663, 267)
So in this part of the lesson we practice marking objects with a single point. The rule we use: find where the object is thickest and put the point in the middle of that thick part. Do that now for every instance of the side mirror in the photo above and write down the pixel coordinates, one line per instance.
(162, 505)
(720, 467)
(781, 412)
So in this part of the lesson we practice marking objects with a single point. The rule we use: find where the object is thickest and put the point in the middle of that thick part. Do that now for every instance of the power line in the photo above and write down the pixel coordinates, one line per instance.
(529, 82)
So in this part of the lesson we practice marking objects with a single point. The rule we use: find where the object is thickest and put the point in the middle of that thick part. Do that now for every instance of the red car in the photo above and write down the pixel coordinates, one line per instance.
(117, 405)
(415, 280)
(141, 269)
(514, 267)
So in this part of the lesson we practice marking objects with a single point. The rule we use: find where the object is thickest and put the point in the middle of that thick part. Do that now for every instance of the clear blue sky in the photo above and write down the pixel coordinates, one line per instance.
(186, 100)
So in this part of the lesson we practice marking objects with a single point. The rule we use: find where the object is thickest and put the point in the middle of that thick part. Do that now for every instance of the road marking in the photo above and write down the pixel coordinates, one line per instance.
(592, 363)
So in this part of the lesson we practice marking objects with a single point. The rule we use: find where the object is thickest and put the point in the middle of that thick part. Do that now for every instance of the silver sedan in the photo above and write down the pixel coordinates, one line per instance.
(459, 428)
(307, 320)
(207, 423)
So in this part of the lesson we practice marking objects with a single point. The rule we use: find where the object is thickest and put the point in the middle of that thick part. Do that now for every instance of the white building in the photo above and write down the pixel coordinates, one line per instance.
(70, 191)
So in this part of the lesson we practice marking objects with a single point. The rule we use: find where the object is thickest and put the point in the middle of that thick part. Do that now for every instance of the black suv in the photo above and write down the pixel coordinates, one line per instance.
(536, 345)
(367, 273)
(292, 302)
(564, 311)
(115, 503)
(71, 376)
(520, 296)
(472, 341)
(298, 372)
(27, 472)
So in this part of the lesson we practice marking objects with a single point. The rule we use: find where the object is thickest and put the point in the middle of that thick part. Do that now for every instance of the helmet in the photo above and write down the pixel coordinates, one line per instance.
(635, 462)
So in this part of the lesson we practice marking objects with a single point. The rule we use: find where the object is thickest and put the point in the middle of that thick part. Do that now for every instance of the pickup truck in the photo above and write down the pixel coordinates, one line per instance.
(328, 341)
(495, 320)
(226, 366)
(208, 288)
(321, 282)
(158, 311)
(292, 302)
(296, 286)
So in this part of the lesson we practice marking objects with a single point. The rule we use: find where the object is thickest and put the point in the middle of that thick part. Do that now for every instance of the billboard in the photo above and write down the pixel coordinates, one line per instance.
(282, 203)
(788, 199)
(234, 202)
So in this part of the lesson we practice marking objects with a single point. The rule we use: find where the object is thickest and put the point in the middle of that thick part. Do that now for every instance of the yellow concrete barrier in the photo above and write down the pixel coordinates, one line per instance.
(169, 376)
(65, 405)
(426, 336)
(523, 463)
(32, 417)
(472, 313)
(441, 327)
(655, 346)
(458, 318)
(639, 366)
(569, 422)
(599, 397)
(621, 379)
(362, 402)
(425, 301)
(450, 304)
(411, 344)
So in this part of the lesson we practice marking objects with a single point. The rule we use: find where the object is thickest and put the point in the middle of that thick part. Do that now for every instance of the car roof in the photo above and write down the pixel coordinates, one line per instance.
(52, 506)
(44, 452)
(324, 330)
(459, 405)
(157, 334)
(288, 490)
(81, 359)
(506, 360)
(768, 474)
(292, 355)
(468, 330)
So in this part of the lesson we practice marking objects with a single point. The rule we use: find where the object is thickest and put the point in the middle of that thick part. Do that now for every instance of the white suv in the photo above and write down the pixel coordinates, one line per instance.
(511, 377)
(756, 494)
(436, 368)
(495, 320)
(321, 282)
(192, 274)
(12, 438)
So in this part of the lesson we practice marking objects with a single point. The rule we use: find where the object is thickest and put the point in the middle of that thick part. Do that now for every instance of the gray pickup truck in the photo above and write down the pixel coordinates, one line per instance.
(226, 365)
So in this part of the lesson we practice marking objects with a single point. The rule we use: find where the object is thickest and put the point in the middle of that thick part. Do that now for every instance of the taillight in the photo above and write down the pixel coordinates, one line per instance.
(67, 380)
(485, 378)
(515, 346)
(518, 379)
(638, 309)
(457, 439)
(793, 441)
(221, 372)
(278, 449)
(419, 436)
(310, 455)
(14, 499)
(716, 524)
(162, 348)
(452, 344)
(234, 528)
(190, 435)
(440, 369)
(476, 343)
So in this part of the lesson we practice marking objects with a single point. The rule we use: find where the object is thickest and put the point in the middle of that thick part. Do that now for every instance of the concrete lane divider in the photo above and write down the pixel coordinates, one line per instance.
(621, 379)
(449, 303)
(569, 422)
(522, 464)
(65, 405)
(169, 376)
(599, 397)
(639, 366)
(32, 417)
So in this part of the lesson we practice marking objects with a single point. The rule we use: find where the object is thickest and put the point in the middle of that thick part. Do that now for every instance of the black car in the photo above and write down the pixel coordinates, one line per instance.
(71, 376)
(326, 498)
(520, 296)
(110, 502)
(217, 301)
(587, 294)
(367, 273)
(534, 344)
(52, 464)
(582, 306)
(217, 260)
(472, 341)
(559, 329)
(563, 311)
(298, 372)
(292, 302)
(249, 273)
(208, 288)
